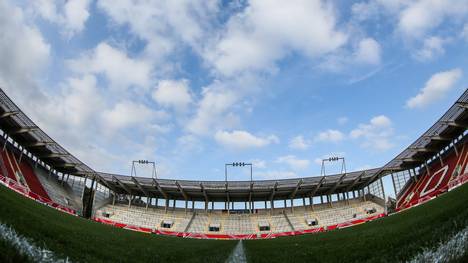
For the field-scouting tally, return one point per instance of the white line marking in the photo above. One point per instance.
(238, 255)
(445, 252)
(28, 248)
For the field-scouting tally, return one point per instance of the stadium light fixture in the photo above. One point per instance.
(143, 162)
(237, 164)
(334, 159)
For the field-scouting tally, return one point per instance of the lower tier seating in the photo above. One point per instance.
(279, 220)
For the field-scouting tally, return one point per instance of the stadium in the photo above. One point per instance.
(233, 131)
(33, 165)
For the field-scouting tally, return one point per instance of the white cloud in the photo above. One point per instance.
(342, 120)
(78, 91)
(376, 134)
(433, 47)
(368, 52)
(371, 9)
(73, 110)
(188, 144)
(266, 31)
(70, 15)
(76, 14)
(172, 93)
(242, 139)
(24, 53)
(121, 70)
(164, 24)
(330, 136)
(435, 88)
(419, 17)
(213, 107)
(257, 163)
(127, 113)
(299, 143)
(416, 21)
(295, 163)
(464, 33)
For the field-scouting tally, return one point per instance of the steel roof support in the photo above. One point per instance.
(140, 187)
(455, 124)
(312, 194)
(66, 165)
(337, 184)
(181, 190)
(205, 195)
(228, 201)
(39, 144)
(355, 181)
(293, 194)
(160, 189)
(436, 138)
(250, 196)
(424, 149)
(103, 182)
(8, 114)
(52, 155)
(121, 184)
(25, 130)
(273, 191)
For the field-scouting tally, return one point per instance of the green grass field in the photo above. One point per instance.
(86, 241)
(395, 238)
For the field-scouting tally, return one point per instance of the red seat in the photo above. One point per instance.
(32, 180)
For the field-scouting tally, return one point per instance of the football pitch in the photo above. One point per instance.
(396, 238)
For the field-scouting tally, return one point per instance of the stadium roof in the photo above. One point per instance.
(257, 190)
(29, 136)
(26, 133)
(451, 125)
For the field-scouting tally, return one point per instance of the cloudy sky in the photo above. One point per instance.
(193, 84)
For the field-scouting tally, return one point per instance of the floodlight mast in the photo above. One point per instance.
(333, 159)
(144, 162)
(237, 164)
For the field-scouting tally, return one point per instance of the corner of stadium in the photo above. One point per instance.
(55, 208)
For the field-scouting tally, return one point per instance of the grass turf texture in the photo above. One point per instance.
(393, 239)
(9, 254)
(86, 241)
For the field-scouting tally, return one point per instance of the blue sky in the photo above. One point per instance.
(193, 85)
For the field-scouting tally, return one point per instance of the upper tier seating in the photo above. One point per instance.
(23, 173)
(435, 181)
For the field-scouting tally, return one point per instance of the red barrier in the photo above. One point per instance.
(15, 186)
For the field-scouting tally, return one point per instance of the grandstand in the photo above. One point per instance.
(35, 165)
